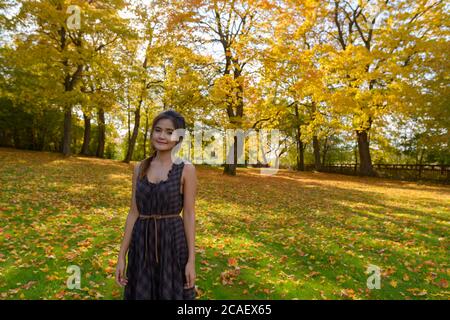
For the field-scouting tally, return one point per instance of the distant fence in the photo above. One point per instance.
(414, 172)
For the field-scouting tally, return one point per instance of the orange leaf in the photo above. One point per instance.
(232, 262)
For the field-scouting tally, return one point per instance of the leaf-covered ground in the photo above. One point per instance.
(289, 236)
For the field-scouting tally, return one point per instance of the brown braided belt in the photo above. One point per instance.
(154, 217)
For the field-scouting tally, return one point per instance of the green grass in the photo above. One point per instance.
(293, 235)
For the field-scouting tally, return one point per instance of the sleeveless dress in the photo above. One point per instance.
(156, 267)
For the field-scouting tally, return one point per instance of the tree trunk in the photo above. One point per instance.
(421, 152)
(61, 144)
(42, 137)
(145, 134)
(299, 143)
(133, 139)
(316, 147)
(325, 151)
(300, 148)
(230, 168)
(70, 81)
(74, 142)
(16, 138)
(230, 61)
(301, 158)
(67, 131)
(32, 135)
(365, 167)
(87, 135)
(101, 133)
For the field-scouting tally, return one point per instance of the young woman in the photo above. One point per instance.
(160, 242)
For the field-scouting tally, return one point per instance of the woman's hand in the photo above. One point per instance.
(120, 272)
(190, 274)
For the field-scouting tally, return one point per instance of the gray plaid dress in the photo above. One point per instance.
(149, 279)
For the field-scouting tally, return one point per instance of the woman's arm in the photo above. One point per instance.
(131, 219)
(189, 194)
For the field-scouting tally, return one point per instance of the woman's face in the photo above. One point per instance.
(162, 133)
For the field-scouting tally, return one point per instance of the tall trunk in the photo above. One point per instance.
(32, 135)
(301, 159)
(69, 85)
(87, 135)
(300, 155)
(299, 143)
(325, 150)
(67, 131)
(145, 134)
(365, 167)
(133, 139)
(42, 136)
(421, 153)
(232, 65)
(70, 80)
(101, 133)
(234, 151)
(230, 168)
(74, 141)
(128, 124)
(137, 116)
(300, 151)
(61, 144)
(16, 138)
(316, 147)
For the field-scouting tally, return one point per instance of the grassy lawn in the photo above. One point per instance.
(293, 235)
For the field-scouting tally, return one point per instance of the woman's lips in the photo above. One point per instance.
(161, 142)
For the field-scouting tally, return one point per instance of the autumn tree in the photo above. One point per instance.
(57, 39)
(292, 71)
(379, 60)
(230, 28)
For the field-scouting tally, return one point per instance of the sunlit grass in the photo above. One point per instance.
(293, 235)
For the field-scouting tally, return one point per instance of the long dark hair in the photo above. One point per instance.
(178, 122)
